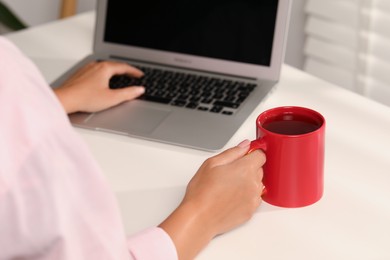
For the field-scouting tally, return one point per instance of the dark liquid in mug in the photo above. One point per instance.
(292, 126)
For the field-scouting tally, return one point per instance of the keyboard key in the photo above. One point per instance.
(216, 109)
(227, 113)
(179, 103)
(207, 100)
(156, 99)
(192, 105)
(203, 108)
(226, 104)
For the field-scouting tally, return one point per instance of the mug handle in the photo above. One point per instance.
(258, 144)
(255, 145)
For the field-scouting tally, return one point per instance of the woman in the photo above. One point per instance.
(54, 201)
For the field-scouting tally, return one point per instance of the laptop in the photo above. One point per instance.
(208, 65)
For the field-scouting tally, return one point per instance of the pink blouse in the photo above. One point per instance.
(54, 200)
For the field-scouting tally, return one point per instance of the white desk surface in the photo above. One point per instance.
(351, 221)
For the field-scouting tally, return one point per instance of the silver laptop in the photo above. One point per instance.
(208, 65)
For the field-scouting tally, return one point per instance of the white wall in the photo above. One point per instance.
(41, 11)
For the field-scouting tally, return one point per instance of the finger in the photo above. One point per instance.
(231, 154)
(126, 94)
(253, 164)
(118, 68)
(260, 180)
(258, 196)
(256, 157)
(263, 190)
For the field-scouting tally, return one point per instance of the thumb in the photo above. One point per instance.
(232, 154)
(128, 93)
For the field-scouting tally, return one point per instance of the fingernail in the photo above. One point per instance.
(140, 90)
(264, 191)
(244, 143)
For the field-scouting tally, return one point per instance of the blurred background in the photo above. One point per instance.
(345, 42)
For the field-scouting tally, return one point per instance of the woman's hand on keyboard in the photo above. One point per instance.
(88, 89)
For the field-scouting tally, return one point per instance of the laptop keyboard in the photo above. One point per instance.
(191, 91)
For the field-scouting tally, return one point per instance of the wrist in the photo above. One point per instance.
(189, 229)
(67, 101)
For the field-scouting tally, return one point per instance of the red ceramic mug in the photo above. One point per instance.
(293, 141)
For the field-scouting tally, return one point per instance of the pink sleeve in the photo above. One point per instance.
(153, 243)
(54, 200)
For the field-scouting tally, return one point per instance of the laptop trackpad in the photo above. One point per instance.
(131, 117)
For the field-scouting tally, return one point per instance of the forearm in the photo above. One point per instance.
(188, 228)
(67, 101)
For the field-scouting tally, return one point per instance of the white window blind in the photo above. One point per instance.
(348, 43)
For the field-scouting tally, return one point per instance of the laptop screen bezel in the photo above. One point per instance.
(271, 72)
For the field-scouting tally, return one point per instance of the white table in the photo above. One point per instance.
(351, 221)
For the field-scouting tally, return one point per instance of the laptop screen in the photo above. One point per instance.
(234, 30)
